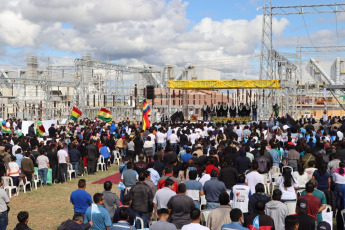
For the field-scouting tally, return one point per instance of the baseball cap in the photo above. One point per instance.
(302, 205)
(185, 146)
(323, 225)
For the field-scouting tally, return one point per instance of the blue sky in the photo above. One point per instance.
(73, 38)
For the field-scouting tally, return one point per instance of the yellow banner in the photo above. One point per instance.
(219, 84)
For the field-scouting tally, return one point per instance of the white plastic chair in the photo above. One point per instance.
(137, 218)
(117, 157)
(204, 216)
(291, 205)
(7, 184)
(23, 185)
(101, 162)
(202, 201)
(35, 179)
(70, 171)
(328, 207)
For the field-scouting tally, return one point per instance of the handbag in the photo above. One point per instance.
(327, 216)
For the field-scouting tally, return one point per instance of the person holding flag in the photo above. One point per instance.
(4, 128)
(98, 214)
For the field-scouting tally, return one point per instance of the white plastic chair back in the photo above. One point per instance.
(204, 216)
(141, 222)
(291, 205)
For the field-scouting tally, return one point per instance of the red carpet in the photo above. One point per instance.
(113, 178)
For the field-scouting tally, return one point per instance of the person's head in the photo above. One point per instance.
(127, 199)
(98, 198)
(214, 173)
(302, 206)
(260, 206)
(82, 184)
(309, 187)
(323, 225)
(163, 214)
(141, 157)
(168, 170)
(147, 174)
(78, 218)
(195, 215)
(193, 174)
(291, 222)
(287, 177)
(300, 169)
(181, 188)
(259, 188)
(277, 194)
(236, 215)
(255, 165)
(314, 182)
(141, 176)
(129, 165)
(241, 179)
(341, 168)
(108, 185)
(124, 214)
(23, 217)
(224, 198)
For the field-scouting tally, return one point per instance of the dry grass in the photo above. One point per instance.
(49, 206)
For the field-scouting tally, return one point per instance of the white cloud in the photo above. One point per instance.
(16, 31)
(135, 31)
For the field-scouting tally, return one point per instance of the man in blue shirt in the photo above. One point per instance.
(213, 188)
(80, 198)
(275, 155)
(98, 214)
(236, 218)
(194, 188)
(187, 155)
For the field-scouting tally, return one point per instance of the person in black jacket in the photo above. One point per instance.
(242, 162)
(92, 156)
(259, 195)
(53, 161)
(228, 174)
(265, 221)
(31, 131)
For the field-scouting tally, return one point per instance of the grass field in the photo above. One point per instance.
(49, 206)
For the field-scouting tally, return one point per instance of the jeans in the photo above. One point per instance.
(197, 204)
(62, 172)
(212, 205)
(144, 216)
(43, 174)
(75, 167)
(174, 146)
(3, 220)
(294, 166)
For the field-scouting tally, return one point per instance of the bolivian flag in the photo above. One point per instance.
(146, 112)
(40, 130)
(104, 115)
(5, 129)
(76, 113)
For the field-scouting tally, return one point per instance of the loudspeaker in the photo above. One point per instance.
(150, 92)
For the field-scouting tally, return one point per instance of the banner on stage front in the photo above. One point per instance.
(231, 119)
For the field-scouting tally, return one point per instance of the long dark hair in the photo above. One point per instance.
(341, 168)
(322, 169)
(300, 169)
(287, 177)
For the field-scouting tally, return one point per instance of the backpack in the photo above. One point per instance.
(65, 224)
(262, 162)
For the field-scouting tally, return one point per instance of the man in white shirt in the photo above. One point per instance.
(161, 138)
(240, 195)
(195, 225)
(63, 162)
(254, 177)
(173, 140)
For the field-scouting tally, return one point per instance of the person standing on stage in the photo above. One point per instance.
(205, 112)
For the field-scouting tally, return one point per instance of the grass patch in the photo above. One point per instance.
(49, 206)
